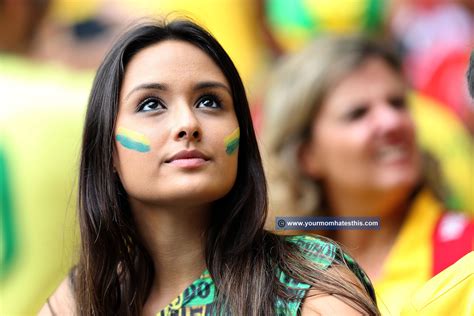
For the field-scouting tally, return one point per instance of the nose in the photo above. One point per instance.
(189, 134)
(187, 126)
(393, 122)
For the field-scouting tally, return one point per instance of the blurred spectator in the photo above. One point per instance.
(40, 127)
(30, 29)
(340, 141)
(286, 26)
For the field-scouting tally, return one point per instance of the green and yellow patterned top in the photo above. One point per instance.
(198, 298)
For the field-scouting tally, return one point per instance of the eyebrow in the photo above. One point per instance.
(147, 86)
(159, 86)
(212, 84)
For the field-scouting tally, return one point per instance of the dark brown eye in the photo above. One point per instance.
(209, 101)
(150, 104)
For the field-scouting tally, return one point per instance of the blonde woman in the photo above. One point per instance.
(339, 140)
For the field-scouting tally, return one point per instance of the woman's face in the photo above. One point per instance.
(363, 138)
(176, 131)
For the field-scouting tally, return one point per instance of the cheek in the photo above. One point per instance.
(132, 165)
(229, 170)
(133, 146)
(228, 154)
(341, 154)
(132, 150)
(344, 145)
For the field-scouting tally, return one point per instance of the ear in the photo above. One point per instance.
(308, 159)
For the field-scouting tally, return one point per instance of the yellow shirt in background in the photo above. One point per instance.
(410, 262)
(451, 292)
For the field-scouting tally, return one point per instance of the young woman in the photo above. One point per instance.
(341, 142)
(173, 196)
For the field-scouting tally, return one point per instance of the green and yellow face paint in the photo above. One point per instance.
(232, 141)
(132, 140)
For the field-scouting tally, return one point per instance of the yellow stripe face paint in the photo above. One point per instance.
(132, 140)
(232, 141)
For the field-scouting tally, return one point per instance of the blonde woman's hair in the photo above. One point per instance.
(296, 91)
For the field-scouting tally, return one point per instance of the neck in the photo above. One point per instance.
(174, 238)
(370, 247)
(361, 202)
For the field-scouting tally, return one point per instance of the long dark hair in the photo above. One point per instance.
(115, 272)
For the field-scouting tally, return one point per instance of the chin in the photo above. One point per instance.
(197, 194)
(400, 182)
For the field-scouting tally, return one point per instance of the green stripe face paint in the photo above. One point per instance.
(132, 140)
(232, 141)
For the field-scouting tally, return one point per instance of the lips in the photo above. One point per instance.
(188, 159)
(188, 154)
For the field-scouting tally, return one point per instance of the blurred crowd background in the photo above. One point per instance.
(49, 50)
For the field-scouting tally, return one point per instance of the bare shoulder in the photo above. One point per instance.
(320, 303)
(61, 302)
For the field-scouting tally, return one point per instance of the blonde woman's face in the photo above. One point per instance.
(176, 131)
(363, 139)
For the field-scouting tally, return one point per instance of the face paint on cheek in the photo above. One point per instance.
(232, 141)
(132, 140)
